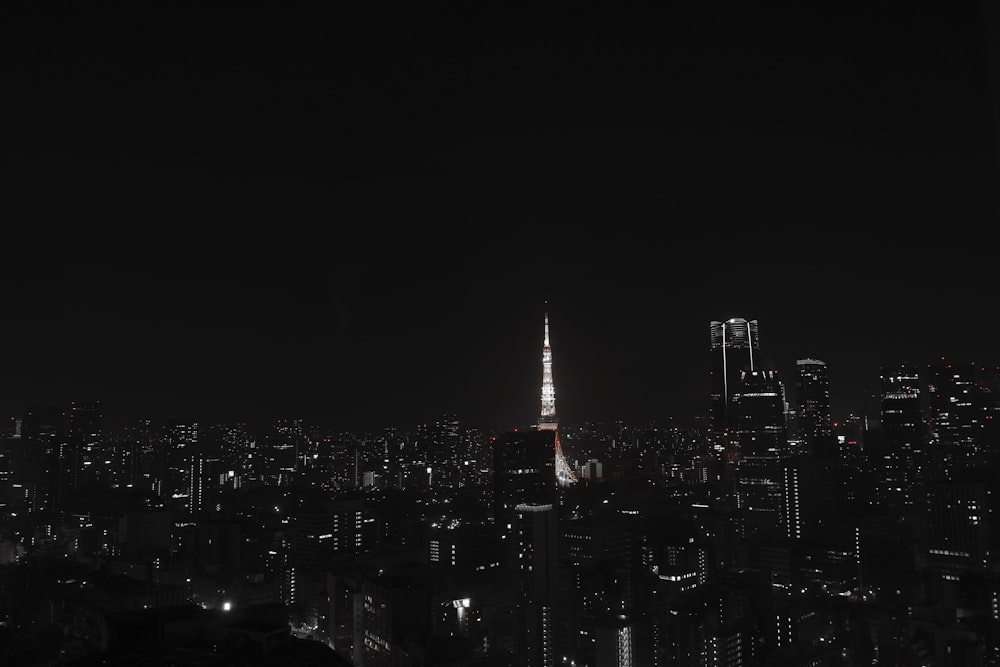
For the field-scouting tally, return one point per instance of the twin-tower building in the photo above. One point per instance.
(739, 380)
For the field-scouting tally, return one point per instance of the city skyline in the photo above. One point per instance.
(473, 335)
(293, 217)
(865, 404)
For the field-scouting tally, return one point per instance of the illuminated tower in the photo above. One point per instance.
(548, 419)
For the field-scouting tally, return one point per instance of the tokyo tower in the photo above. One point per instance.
(548, 419)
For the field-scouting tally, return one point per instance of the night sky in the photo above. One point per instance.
(359, 214)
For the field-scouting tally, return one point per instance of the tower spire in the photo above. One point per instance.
(548, 420)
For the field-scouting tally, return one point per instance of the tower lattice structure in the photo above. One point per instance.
(548, 420)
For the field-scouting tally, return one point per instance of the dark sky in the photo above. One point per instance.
(356, 214)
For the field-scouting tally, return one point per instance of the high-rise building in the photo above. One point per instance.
(957, 410)
(850, 436)
(182, 442)
(812, 385)
(601, 566)
(809, 475)
(735, 348)
(758, 423)
(322, 532)
(440, 449)
(902, 459)
(809, 496)
(344, 631)
(523, 472)
(959, 524)
(84, 436)
(548, 420)
(537, 578)
(392, 614)
(759, 414)
(713, 627)
(281, 451)
(48, 462)
(196, 477)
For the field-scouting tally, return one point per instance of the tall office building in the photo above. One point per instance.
(281, 452)
(809, 496)
(735, 348)
(603, 560)
(716, 628)
(902, 459)
(441, 449)
(812, 389)
(392, 616)
(48, 462)
(523, 472)
(957, 410)
(759, 414)
(758, 422)
(196, 478)
(323, 531)
(182, 443)
(808, 479)
(537, 579)
(960, 521)
(84, 436)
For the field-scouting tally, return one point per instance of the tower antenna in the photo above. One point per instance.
(548, 420)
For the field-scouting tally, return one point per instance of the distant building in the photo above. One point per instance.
(592, 471)
(960, 524)
(735, 348)
(49, 463)
(394, 610)
(957, 413)
(812, 385)
(758, 424)
(902, 458)
(85, 464)
(182, 444)
(322, 533)
(145, 533)
(524, 471)
(465, 547)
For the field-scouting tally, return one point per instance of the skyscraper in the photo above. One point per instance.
(523, 471)
(813, 397)
(960, 523)
(758, 421)
(182, 442)
(538, 550)
(84, 437)
(957, 411)
(548, 420)
(758, 418)
(43, 432)
(735, 347)
(902, 456)
(808, 482)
